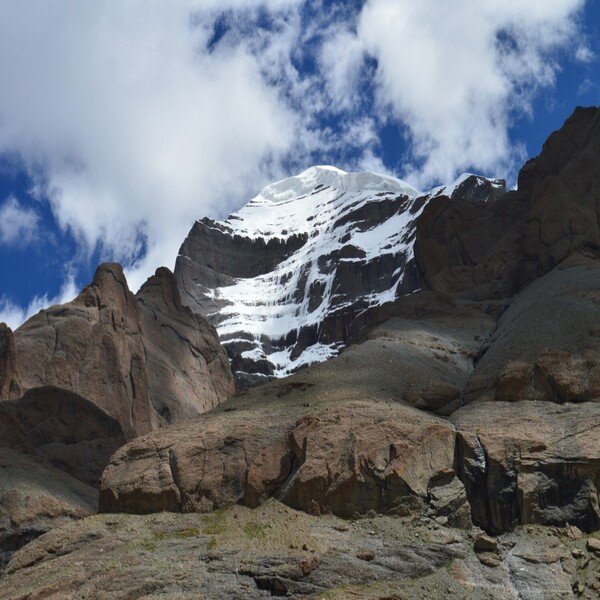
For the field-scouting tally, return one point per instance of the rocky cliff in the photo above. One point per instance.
(80, 379)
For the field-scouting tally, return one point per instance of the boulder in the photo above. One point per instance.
(530, 462)
(146, 361)
(448, 499)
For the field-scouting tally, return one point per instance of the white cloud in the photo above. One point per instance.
(454, 73)
(133, 125)
(18, 225)
(584, 53)
(14, 315)
(134, 128)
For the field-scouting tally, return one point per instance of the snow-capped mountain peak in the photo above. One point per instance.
(287, 277)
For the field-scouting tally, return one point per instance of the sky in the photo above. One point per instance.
(121, 123)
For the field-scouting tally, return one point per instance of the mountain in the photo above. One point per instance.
(299, 271)
(448, 448)
(80, 379)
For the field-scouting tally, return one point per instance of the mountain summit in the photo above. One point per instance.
(290, 278)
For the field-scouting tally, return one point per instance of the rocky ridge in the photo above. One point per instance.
(144, 359)
(78, 380)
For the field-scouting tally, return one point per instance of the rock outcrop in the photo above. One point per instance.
(54, 446)
(274, 551)
(530, 462)
(547, 343)
(316, 460)
(9, 380)
(66, 430)
(564, 195)
(491, 250)
(80, 379)
(145, 360)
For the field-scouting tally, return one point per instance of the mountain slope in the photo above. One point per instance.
(297, 272)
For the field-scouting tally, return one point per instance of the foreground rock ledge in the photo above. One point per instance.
(530, 462)
(341, 458)
(276, 551)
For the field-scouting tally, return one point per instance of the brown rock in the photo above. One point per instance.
(485, 543)
(448, 499)
(564, 197)
(9, 384)
(545, 347)
(485, 250)
(472, 249)
(344, 456)
(489, 559)
(146, 360)
(574, 532)
(530, 462)
(593, 544)
(68, 431)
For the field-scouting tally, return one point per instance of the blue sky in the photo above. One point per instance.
(122, 123)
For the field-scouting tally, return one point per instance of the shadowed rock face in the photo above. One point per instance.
(53, 447)
(146, 360)
(9, 381)
(68, 431)
(36, 497)
(530, 462)
(485, 251)
(564, 196)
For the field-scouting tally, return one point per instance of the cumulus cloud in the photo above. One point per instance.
(130, 124)
(18, 224)
(455, 73)
(14, 315)
(135, 118)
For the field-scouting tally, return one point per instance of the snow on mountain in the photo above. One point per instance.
(289, 277)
